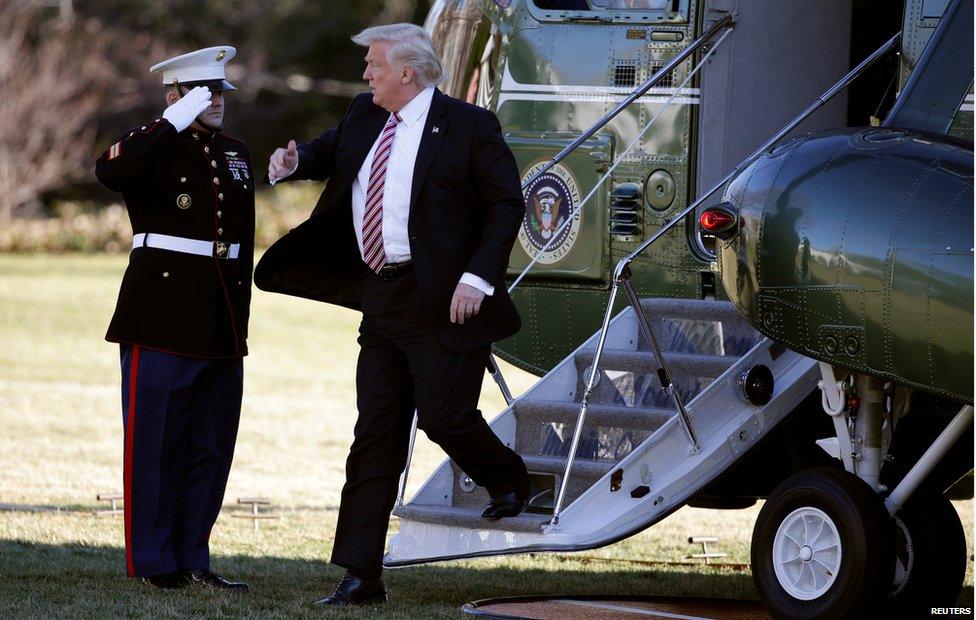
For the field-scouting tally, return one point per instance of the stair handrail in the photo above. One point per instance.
(493, 367)
(726, 22)
(622, 276)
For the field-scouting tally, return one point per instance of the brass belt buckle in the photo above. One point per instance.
(221, 249)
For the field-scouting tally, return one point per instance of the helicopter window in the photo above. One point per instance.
(933, 8)
(663, 7)
(632, 5)
(562, 5)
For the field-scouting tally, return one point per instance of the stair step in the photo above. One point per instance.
(644, 362)
(557, 465)
(470, 518)
(688, 325)
(619, 416)
(700, 309)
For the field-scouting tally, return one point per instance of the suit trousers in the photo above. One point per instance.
(180, 416)
(403, 367)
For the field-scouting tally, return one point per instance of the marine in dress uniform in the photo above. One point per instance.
(414, 228)
(181, 318)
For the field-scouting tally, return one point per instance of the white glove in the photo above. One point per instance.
(187, 108)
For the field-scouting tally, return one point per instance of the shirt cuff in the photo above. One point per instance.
(479, 283)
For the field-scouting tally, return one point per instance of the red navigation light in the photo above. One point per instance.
(715, 221)
(719, 221)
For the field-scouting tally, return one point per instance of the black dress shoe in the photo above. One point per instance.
(507, 505)
(211, 579)
(168, 581)
(355, 591)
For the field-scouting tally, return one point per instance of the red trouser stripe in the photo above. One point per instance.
(130, 433)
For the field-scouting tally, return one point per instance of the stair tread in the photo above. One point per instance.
(628, 359)
(469, 518)
(594, 410)
(690, 308)
(557, 465)
(616, 416)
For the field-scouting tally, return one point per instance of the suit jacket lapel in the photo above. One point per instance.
(430, 142)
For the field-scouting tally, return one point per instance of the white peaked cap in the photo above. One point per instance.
(206, 65)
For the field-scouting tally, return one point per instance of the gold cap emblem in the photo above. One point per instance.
(183, 201)
(220, 55)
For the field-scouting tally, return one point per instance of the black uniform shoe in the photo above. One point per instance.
(508, 505)
(169, 581)
(211, 579)
(355, 591)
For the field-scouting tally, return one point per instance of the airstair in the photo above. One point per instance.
(644, 414)
(635, 461)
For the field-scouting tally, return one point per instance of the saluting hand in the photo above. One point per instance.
(466, 303)
(283, 162)
(183, 111)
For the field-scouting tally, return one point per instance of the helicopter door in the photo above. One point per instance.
(577, 251)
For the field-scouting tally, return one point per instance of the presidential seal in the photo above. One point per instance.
(549, 200)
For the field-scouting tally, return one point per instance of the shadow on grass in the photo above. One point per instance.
(88, 581)
(44, 580)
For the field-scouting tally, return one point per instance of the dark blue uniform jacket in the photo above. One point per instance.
(196, 185)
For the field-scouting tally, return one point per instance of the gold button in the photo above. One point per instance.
(213, 163)
(206, 149)
(165, 274)
(143, 127)
(245, 186)
(196, 136)
(220, 196)
(220, 214)
(216, 181)
(182, 179)
(220, 231)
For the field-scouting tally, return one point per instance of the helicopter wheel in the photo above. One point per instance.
(822, 547)
(930, 549)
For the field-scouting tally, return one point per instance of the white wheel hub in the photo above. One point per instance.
(806, 553)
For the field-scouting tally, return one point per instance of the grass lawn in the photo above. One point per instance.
(61, 444)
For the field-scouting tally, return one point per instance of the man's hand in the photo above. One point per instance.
(466, 303)
(187, 108)
(283, 162)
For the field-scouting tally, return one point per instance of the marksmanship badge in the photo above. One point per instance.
(548, 202)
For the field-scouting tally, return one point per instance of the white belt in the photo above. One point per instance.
(218, 249)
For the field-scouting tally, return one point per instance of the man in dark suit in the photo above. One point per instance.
(414, 228)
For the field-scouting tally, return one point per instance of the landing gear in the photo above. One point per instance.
(822, 547)
(930, 556)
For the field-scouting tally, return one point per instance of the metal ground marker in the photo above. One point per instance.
(705, 555)
(115, 497)
(255, 515)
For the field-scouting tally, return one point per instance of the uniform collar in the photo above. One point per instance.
(416, 107)
(198, 135)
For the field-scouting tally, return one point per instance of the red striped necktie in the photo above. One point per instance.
(373, 252)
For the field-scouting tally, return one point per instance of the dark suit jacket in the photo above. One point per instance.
(466, 207)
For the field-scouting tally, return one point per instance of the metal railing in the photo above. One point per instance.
(622, 276)
(727, 22)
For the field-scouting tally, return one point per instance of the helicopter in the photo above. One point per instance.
(689, 343)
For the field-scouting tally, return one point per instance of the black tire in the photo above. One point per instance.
(931, 546)
(864, 572)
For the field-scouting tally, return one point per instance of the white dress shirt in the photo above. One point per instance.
(398, 186)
